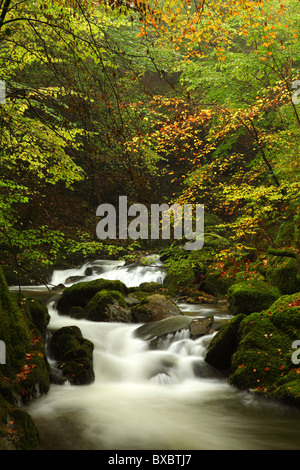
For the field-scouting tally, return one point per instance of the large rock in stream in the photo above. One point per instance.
(153, 331)
(111, 301)
(79, 295)
(154, 307)
(74, 356)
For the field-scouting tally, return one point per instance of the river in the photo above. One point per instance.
(134, 404)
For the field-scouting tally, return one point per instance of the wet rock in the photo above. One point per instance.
(224, 344)
(88, 271)
(205, 371)
(59, 287)
(201, 326)
(155, 307)
(72, 279)
(152, 330)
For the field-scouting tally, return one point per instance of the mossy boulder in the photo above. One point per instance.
(150, 286)
(25, 373)
(17, 429)
(79, 295)
(108, 305)
(39, 314)
(285, 278)
(74, 355)
(261, 350)
(251, 296)
(179, 276)
(104, 306)
(217, 282)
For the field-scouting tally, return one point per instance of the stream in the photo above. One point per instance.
(134, 404)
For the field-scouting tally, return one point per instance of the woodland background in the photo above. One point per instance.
(162, 101)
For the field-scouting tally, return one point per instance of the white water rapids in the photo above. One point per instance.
(134, 404)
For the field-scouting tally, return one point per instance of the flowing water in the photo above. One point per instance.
(151, 399)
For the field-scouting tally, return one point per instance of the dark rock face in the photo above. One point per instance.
(224, 344)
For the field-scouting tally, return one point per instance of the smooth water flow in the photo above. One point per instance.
(166, 398)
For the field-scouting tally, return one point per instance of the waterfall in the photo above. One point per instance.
(132, 275)
(144, 398)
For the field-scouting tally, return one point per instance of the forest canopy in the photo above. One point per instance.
(170, 101)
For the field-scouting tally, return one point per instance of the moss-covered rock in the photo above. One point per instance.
(150, 286)
(251, 296)
(285, 278)
(217, 281)
(179, 277)
(39, 314)
(26, 371)
(261, 355)
(108, 305)
(74, 355)
(79, 295)
(17, 429)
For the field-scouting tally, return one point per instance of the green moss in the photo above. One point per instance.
(150, 286)
(285, 315)
(262, 344)
(26, 372)
(217, 283)
(282, 273)
(25, 433)
(260, 356)
(251, 296)
(287, 389)
(81, 293)
(74, 355)
(38, 313)
(98, 307)
(77, 312)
